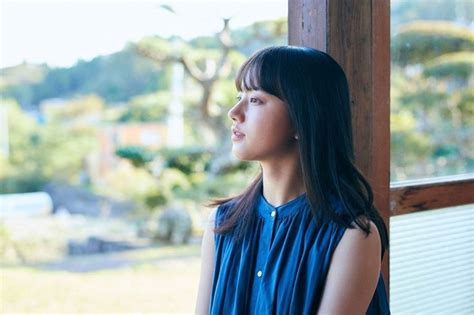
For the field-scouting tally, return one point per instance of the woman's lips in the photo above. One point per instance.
(237, 134)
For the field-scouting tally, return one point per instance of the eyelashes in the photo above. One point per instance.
(254, 100)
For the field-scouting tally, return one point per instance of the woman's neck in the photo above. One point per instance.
(282, 181)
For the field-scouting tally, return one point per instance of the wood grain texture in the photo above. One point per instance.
(305, 23)
(430, 194)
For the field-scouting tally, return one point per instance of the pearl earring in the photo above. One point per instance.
(296, 137)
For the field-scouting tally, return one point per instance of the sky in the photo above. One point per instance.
(60, 33)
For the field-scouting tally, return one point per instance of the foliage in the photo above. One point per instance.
(431, 96)
(22, 74)
(188, 160)
(137, 155)
(406, 11)
(137, 184)
(85, 107)
(458, 64)
(115, 78)
(183, 173)
(147, 108)
(419, 41)
(39, 153)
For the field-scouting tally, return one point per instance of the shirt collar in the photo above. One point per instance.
(265, 208)
(291, 207)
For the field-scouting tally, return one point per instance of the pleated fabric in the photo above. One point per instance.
(281, 265)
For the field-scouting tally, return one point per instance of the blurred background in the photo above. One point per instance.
(114, 134)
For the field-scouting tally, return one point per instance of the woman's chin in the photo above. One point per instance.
(240, 154)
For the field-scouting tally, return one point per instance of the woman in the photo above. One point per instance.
(304, 237)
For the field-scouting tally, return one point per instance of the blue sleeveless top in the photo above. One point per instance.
(281, 265)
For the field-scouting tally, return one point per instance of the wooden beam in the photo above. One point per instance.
(302, 27)
(428, 194)
(357, 34)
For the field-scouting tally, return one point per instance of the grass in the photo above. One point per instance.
(160, 280)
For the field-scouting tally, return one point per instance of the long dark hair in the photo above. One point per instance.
(315, 90)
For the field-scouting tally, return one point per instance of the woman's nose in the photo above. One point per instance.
(230, 113)
(234, 113)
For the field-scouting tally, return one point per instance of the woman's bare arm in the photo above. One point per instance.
(207, 266)
(353, 273)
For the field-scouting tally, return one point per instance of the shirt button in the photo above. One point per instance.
(259, 273)
(273, 213)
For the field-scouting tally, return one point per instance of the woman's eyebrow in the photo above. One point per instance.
(260, 93)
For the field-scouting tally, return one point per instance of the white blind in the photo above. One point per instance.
(432, 262)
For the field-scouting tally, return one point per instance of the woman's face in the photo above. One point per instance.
(261, 128)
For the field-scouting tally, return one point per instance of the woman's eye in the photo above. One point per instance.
(238, 98)
(255, 100)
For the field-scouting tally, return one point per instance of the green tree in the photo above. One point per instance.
(432, 99)
(115, 78)
(151, 107)
(40, 153)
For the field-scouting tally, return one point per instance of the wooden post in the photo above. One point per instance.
(357, 34)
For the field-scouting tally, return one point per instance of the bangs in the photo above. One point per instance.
(248, 76)
(256, 74)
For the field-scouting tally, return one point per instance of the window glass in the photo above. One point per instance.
(432, 95)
